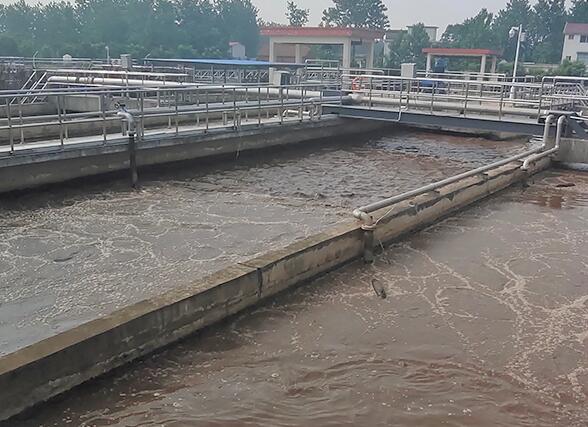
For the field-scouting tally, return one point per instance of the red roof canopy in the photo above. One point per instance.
(443, 51)
(573, 28)
(322, 32)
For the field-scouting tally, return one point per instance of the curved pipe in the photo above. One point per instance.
(541, 155)
(128, 117)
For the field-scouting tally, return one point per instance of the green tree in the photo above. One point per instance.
(579, 11)
(165, 28)
(547, 30)
(569, 68)
(297, 17)
(408, 47)
(517, 12)
(8, 46)
(357, 13)
(476, 32)
(56, 28)
(238, 22)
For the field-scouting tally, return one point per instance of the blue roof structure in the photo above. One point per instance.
(225, 62)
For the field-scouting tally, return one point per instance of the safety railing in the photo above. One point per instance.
(172, 110)
(461, 97)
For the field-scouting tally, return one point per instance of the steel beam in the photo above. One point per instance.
(440, 121)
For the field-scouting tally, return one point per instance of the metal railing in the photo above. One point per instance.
(461, 97)
(194, 108)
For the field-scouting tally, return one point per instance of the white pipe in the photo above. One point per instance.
(116, 82)
(128, 117)
(363, 212)
(541, 155)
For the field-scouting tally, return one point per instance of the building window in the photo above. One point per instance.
(571, 37)
(583, 57)
(569, 58)
(584, 39)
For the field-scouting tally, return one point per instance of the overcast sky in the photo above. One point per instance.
(401, 12)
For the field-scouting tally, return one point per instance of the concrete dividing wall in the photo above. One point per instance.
(41, 168)
(55, 365)
(35, 109)
(573, 152)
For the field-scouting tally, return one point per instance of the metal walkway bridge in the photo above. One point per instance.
(493, 106)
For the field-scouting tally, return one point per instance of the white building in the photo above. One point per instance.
(429, 29)
(237, 50)
(575, 43)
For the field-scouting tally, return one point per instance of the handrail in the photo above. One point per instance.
(171, 105)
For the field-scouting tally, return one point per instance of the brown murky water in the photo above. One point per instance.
(485, 324)
(69, 255)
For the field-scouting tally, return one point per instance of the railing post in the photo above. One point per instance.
(207, 108)
(133, 158)
(465, 106)
(301, 104)
(60, 120)
(103, 111)
(501, 106)
(9, 119)
(142, 115)
(259, 106)
(20, 120)
(540, 99)
(281, 105)
(371, 90)
(176, 118)
(235, 108)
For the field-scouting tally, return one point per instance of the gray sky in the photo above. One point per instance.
(401, 12)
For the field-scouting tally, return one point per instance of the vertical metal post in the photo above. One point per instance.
(259, 106)
(142, 115)
(207, 119)
(267, 98)
(302, 104)
(20, 120)
(133, 159)
(465, 105)
(103, 111)
(281, 105)
(60, 120)
(9, 118)
(235, 125)
(540, 99)
(176, 111)
(501, 106)
(371, 90)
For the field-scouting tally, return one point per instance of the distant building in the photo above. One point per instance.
(349, 40)
(237, 50)
(575, 43)
(430, 30)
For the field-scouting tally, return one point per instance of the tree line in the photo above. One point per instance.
(161, 28)
(203, 28)
(543, 24)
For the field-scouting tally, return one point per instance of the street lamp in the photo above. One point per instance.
(513, 33)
